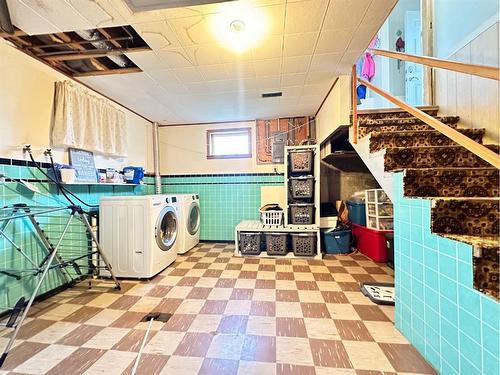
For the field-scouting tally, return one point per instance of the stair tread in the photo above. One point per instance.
(429, 132)
(469, 199)
(378, 122)
(476, 241)
(495, 148)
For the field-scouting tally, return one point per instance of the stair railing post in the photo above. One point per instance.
(354, 105)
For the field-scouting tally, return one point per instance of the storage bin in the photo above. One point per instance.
(371, 242)
(357, 212)
(337, 241)
(271, 217)
(301, 161)
(249, 243)
(276, 243)
(302, 213)
(304, 244)
(302, 187)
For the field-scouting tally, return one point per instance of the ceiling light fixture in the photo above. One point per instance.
(239, 26)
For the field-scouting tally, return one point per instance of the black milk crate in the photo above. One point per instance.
(249, 243)
(301, 161)
(302, 187)
(276, 243)
(301, 213)
(304, 244)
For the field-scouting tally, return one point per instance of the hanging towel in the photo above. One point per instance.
(368, 66)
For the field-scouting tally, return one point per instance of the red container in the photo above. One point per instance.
(371, 242)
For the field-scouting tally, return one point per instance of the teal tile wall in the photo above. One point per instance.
(20, 231)
(225, 200)
(456, 328)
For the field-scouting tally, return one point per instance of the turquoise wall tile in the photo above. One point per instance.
(458, 331)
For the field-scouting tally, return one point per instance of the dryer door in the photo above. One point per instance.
(166, 228)
(193, 219)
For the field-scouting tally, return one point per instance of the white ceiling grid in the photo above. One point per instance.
(189, 77)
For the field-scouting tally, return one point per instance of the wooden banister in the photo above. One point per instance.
(354, 105)
(478, 149)
(491, 72)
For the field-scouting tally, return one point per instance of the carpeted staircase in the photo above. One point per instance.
(463, 187)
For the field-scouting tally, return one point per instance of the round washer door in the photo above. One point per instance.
(193, 221)
(166, 228)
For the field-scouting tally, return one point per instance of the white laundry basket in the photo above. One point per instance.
(271, 217)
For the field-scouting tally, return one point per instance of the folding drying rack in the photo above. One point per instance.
(64, 238)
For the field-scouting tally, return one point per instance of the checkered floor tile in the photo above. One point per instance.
(230, 315)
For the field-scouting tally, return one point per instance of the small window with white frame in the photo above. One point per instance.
(229, 143)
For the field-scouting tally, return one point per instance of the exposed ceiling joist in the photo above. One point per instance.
(108, 72)
(58, 56)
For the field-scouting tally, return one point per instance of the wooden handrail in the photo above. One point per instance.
(478, 149)
(491, 72)
(354, 105)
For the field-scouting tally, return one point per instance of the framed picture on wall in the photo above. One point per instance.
(84, 165)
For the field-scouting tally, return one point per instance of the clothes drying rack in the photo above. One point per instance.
(64, 242)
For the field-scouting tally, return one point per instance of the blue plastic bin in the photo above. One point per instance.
(337, 242)
(357, 212)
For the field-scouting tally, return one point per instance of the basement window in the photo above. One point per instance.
(229, 143)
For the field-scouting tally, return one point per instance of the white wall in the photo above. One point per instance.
(476, 100)
(458, 22)
(183, 150)
(26, 98)
(335, 110)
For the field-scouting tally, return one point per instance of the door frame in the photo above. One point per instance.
(427, 22)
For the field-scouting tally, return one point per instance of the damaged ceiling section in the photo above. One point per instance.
(83, 53)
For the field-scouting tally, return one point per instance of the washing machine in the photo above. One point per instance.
(189, 206)
(139, 234)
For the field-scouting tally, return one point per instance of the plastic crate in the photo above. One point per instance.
(304, 244)
(249, 243)
(301, 161)
(337, 241)
(276, 243)
(302, 187)
(357, 212)
(302, 213)
(272, 217)
(371, 242)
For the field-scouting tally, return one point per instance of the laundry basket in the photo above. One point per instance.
(304, 244)
(272, 217)
(302, 213)
(302, 187)
(301, 161)
(249, 243)
(276, 243)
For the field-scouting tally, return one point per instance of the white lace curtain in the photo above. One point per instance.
(83, 120)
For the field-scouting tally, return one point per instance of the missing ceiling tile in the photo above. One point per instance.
(83, 53)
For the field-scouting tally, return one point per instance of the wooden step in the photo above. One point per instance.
(410, 138)
(368, 121)
(394, 112)
(399, 158)
(452, 182)
(467, 216)
(399, 124)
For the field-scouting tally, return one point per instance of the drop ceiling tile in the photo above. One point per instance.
(175, 58)
(317, 89)
(130, 17)
(147, 60)
(345, 14)
(305, 16)
(299, 44)
(294, 79)
(270, 48)
(378, 12)
(188, 75)
(164, 77)
(99, 13)
(297, 64)
(60, 14)
(158, 34)
(28, 20)
(267, 67)
(194, 30)
(242, 69)
(206, 54)
(334, 40)
(291, 91)
(213, 72)
(348, 60)
(362, 37)
(173, 89)
(275, 16)
(311, 100)
(314, 78)
(326, 62)
(197, 87)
